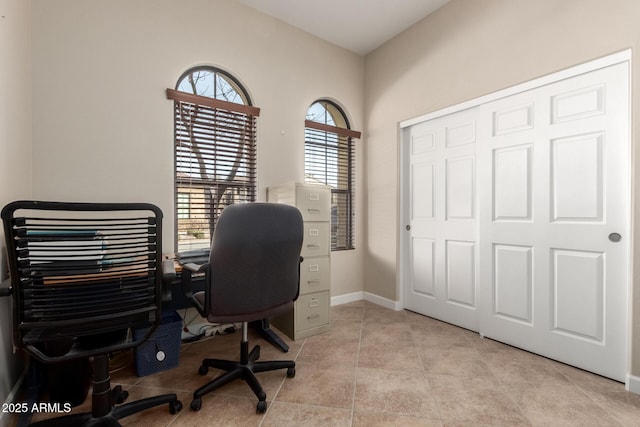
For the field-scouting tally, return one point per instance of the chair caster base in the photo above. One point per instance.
(261, 408)
(196, 404)
(291, 372)
(175, 407)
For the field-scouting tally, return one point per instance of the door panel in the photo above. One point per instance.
(577, 178)
(512, 287)
(512, 190)
(578, 273)
(461, 273)
(559, 284)
(443, 215)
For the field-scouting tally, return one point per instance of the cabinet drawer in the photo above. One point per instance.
(316, 239)
(312, 310)
(314, 203)
(315, 275)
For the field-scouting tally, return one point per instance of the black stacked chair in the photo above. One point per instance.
(253, 273)
(83, 277)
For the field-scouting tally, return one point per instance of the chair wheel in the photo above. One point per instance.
(262, 407)
(121, 396)
(196, 404)
(291, 372)
(175, 407)
(203, 370)
(118, 395)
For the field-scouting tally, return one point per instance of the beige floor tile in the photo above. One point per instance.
(319, 384)
(327, 350)
(511, 366)
(460, 361)
(366, 419)
(398, 357)
(352, 312)
(475, 400)
(380, 315)
(397, 392)
(282, 414)
(387, 334)
(343, 329)
(378, 367)
(558, 404)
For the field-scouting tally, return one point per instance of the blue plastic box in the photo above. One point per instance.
(162, 350)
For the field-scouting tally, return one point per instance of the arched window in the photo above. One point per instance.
(215, 152)
(329, 158)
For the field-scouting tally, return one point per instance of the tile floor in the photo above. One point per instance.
(377, 367)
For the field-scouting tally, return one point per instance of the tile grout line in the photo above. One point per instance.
(355, 379)
(424, 369)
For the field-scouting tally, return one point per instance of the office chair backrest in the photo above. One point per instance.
(254, 260)
(82, 274)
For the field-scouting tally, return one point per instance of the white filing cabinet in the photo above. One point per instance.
(310, 314)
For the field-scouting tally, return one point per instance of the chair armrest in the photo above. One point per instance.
(5, 288)
(188, 270)
(168, 276)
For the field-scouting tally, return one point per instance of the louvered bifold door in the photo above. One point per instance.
(83, 269)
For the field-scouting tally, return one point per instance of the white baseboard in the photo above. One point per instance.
(632, 384)
(347, 298)
(382, 301)
(366, 296)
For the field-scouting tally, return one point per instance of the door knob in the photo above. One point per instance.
(615, 237)
(407, 227)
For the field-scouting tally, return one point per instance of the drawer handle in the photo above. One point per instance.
(315, 245)
(313, 211)
(313, 282)
(313, 316)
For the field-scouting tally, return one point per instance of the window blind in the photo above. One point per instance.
(330, 160)
(215, 163)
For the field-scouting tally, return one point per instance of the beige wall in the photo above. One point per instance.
(15, 152)
(467, 49)
(103, 128)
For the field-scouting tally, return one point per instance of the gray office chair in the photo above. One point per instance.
(253, 273)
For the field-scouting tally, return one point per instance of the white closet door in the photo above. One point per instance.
(518, 212)
(443, 220)
(554, 222)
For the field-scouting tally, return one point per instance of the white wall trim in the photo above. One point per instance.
(587, 67)
(347, 298)
(367, 296)
(382, 301)
(632, 384)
